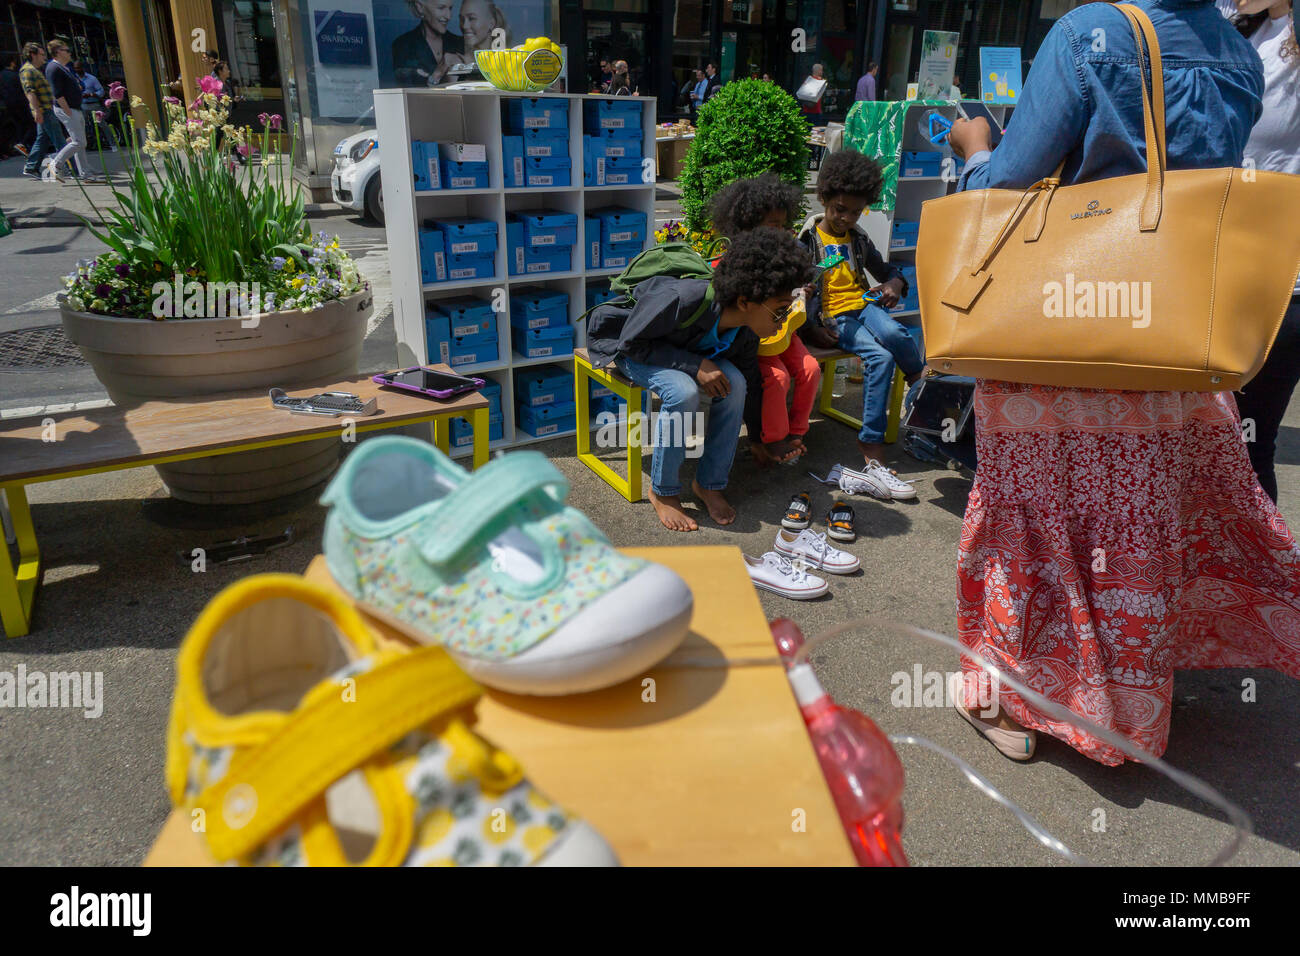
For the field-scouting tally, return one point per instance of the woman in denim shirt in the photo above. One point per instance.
(1112, 537)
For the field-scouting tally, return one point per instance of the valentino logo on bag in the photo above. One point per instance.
(1094, 209)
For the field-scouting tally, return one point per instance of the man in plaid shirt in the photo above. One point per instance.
(49, 136)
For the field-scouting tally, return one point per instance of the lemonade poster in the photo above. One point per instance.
(1000, 78)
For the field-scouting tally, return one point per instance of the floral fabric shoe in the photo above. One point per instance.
(296, 739)
(526, 594)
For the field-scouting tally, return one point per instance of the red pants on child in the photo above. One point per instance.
(794, 364)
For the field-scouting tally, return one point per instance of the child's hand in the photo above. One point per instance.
(889, 292)
(713, 380)
(824, 338)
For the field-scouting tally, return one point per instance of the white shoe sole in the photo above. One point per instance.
(791, 526)
(808, 560)
(849, 537)
(654, 601)
(792, 595)
(580, 845)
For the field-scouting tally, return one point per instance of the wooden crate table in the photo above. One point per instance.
(717, 770)
(163, 431)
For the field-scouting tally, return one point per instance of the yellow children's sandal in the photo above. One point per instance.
(298, 739)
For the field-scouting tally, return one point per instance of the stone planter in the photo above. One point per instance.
(138, 360)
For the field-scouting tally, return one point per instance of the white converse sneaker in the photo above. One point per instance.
(774, 573)
(875, 480)
(813, 550)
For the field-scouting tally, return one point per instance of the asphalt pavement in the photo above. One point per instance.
(117, 598)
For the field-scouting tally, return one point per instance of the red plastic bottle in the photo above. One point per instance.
(861, 768)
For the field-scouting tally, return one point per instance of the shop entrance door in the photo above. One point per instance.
(620, 36)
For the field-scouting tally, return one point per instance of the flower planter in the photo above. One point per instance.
(138, 360)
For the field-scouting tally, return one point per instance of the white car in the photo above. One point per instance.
(354, 181)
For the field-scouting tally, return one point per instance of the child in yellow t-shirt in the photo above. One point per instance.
(782, 358)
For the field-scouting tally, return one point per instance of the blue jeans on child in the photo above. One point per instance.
(680, 399)
(879, 339)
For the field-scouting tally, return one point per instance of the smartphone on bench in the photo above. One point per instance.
(429, 382)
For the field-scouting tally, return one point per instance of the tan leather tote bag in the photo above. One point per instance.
(1169, 280)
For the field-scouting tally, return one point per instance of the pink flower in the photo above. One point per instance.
(116, 92)
(276, 119)
(263, 118)
(171, 99)
(210, 84)
(99, 116)
(243, 150)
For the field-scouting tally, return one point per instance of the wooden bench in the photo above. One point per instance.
(48, 448)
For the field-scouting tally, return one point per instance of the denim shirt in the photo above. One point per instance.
(1082, 101)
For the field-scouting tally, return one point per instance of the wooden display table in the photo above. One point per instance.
(715, 771)
(167, 430)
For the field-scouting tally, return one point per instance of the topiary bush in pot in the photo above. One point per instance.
(747, 128)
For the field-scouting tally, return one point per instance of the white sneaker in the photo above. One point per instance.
(774, 573)
(812, 549)
(875, 480)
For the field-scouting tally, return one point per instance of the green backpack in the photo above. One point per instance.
(678, 260)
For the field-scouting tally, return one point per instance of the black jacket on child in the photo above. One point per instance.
(656, 330)
(867, 262)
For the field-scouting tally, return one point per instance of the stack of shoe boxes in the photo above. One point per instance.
(540, 241)
(462, 331)
(622, 235)
(458, 249)
(539, 323)
(462, 433)
(612, 143)
(912, 301)
(449, 165)
(535, 145)
(544, 401)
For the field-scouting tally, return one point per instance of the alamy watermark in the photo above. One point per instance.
(669, 430)
(975, 690)
(1086, 299)
(191, 299)
(83, 690)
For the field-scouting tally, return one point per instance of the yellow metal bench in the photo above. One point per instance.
(633, 395)
(40, 449)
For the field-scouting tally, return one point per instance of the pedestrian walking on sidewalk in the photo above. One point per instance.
(40, 101)
(66, 90)
(15, 103)
(1114, 537)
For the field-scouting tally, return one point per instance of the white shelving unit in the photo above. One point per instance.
(404, 115)
(914, 190)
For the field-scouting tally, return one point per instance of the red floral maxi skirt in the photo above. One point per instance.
(1112, 538)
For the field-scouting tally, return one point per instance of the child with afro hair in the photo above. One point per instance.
(783, 360)
(838, 315)
(692, 350)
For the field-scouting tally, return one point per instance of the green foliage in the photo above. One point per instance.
(747, 128)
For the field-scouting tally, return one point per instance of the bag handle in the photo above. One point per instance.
(1153, 113)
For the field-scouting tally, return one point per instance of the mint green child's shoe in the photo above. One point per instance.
(524, 592)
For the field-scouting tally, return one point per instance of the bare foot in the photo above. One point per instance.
(800, 447)
(761, 455)
(719, 510)
(671, 514)
(782, 451)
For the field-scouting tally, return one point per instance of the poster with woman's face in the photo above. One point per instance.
(432, 42)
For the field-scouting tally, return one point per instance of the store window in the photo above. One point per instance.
(247, 41)
(692, 39)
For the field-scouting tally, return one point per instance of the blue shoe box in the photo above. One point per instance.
(593, 170)
(619, 114)
(532, 143)
(539, 308)
(529, 112)
(598, 294)
(462, 432)
(904, 233)
(466, 235)
(597, 391)
(543, 386)
(547, 227)
(617, 255)
(424, 159)
(463, 175)
(604, 405)
(543, 343)
(526, 261)
(461, 268)
(615, 144)
(467, 315)
(916, 164)
(547, 171)
(619, 224)
(624, 172)
(548, 419)
(437, 333)
(433, 256)
(473, 354)
(591, 237)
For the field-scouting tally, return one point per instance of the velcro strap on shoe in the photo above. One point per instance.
(493, 490)
(337, 728)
